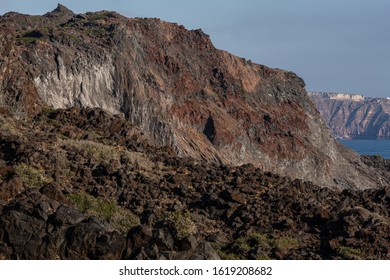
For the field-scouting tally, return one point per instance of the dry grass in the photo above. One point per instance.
(7, 127)
(120, 218)
(105, 153)
(31, 176)
(350, 253)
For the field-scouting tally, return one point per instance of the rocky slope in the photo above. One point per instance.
(85, 184)
(354, 116)
(177, 88)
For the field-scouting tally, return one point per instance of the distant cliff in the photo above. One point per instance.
(354, 116)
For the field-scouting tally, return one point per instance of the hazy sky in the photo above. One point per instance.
(334, 45)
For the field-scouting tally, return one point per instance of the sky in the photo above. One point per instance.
(334, 45)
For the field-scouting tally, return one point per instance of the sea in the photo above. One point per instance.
(369, 147)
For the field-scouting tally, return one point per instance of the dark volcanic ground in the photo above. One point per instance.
(87, 185)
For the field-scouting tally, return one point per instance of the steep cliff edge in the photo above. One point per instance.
(353, 116)
(176, 87)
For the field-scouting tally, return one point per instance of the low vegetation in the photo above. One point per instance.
(7, 127)
(119, 217)
(256, 246)
(350, 253)
(181, 223)
(105, 153)
(32, 176)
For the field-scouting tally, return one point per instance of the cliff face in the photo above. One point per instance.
(177, 88)
(353, 116)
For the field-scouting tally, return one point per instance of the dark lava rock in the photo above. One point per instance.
(90, 240)
(102, 198)
(203, 251)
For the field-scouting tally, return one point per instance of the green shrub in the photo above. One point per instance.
(31, 37)
(243, 91)
(181, 223)
(247, 246)
(74, 38)
(286, 242)
(222, 253)
(253, 240)
(349, 253)
(27, 40)
(101, 15)
(123, 220)
(120, 218)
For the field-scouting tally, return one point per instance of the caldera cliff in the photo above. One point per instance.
(353, 116)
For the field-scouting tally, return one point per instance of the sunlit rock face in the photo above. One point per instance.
(90, 84)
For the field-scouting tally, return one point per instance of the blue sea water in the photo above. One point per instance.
(369, 147)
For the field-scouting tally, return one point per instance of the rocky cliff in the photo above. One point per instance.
(353, 116)
(176, 87)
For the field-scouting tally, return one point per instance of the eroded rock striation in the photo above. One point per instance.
(352, 116)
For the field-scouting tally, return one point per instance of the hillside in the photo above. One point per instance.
(354, 116)
(84, 184)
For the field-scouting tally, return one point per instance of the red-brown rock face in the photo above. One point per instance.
(174, 85)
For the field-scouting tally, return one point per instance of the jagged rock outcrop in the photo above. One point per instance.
(176, 87)
(352, 116)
